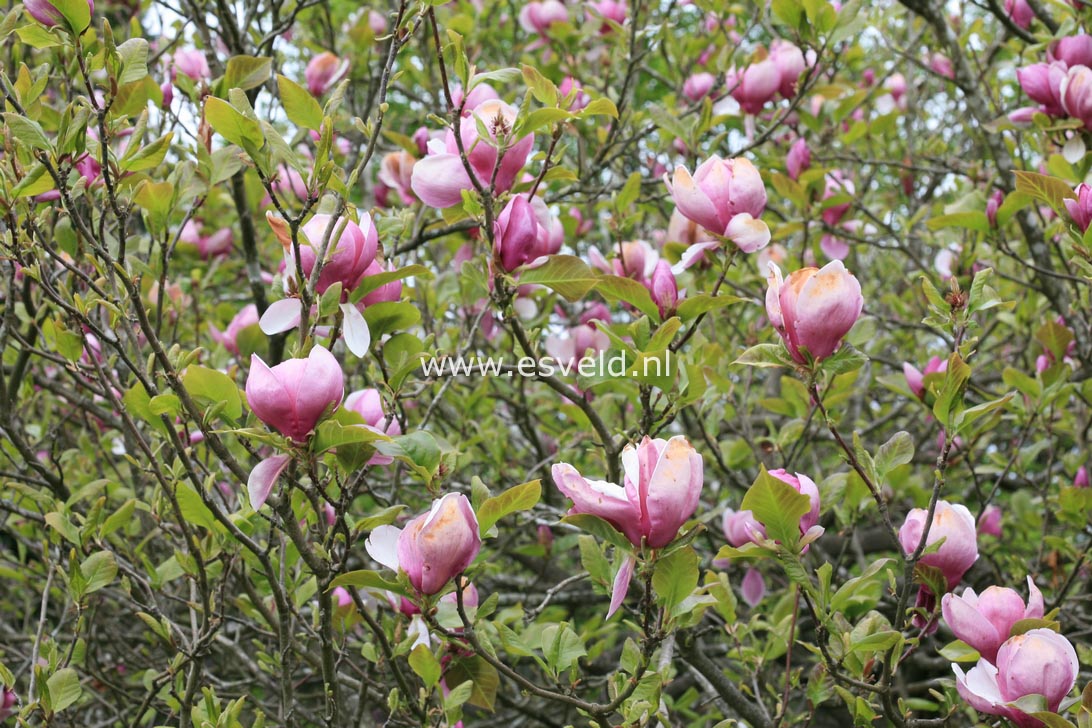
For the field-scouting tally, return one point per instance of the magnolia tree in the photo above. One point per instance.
(593, 363)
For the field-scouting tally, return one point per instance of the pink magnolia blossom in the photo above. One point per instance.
(941, 65)
(1039, 662)
(664, 289)
(756, 85)
(1019, 12)
(228, 338)
(207, 246)
(699, 85)
(1074, 50)
(993, 205)
(1076, 94)
(570, 85)
(294, 395)
(386, 293)
(798, 159)
(612, 10)
(989, 523)
(8, 700)
(396, 171)
(790, 63)
(916, 379)
(814, 309)
(516, 234)
(952, 523)
(323, 71)
(635, 259)
(1042, 82)
(741, 527)
(660, 491)
(984, 621)
(539, 15)
(190, 63)
(1080, 480)
(434, 547)
(725, 197)
(368, 403)
(1080, 209)
(439, 179)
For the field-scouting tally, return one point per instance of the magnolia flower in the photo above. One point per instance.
(1080, 209)
(434, 547)
(207, 246)
(228, 338)
(439, 179)
(1076, 94)
(952, 523)
(190, 63)
(814, 309)
(323, 71)
(350, 252)
(915, 379)
(1039, 662)
(984, 621)
(660, 491)
(725, 197)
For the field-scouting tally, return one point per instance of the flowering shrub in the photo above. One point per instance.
(799, 296)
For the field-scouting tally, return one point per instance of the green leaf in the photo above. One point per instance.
(64, 686)
(238, 129)
(388, 316)
(366, 579)
(193, 508)
(765, 355)
(950, 397)
(483, 676)
(959, 651)
(693, 306)
(596, 526)
(26, 132)
(567, 275)
(601, 106)
(899, 450)
(99, 569)
(1055, 337)
(540, 118)
(561, 646)
(542, 88)
(421, 449)
(619, 288)
(209, 387)
(970, 220)
(247, 72)
(521, 497)
(134, 61)
(778, 506)
(299, 105)
(138, 158)
(76, 12)
(877, 641)
(1050, 190)
(1026, 625)
(676, 577)
(425, 664)
(373, 282)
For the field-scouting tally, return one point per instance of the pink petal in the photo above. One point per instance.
(263, 477)
(694, 254)
(692, 201)
(621, 584)
(281, 316)
(753, 587)
(439, 179)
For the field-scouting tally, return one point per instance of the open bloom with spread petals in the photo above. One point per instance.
(323, 71)
(662, 484)
(228, 338)
(660, 491)
(952, 523)
(434, 547)
(439, 179)
(49, 15)
(294, 395)
(1039, 662)
(349, 254)
(814, 309)
(726, 197)
(984, 621)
